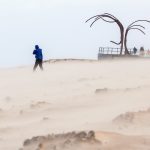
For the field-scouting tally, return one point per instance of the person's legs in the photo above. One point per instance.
(41, 64)
(35, 65)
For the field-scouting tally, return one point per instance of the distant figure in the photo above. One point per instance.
(142, 51)
(148, 52)
(39, 58)
(99, 55)
(134, 50)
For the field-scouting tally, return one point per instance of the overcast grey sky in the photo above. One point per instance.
(58, 27)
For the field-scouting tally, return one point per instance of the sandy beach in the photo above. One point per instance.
(110, 97)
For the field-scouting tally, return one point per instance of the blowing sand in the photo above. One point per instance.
(110, 97)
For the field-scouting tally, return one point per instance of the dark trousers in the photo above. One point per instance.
(38, 62)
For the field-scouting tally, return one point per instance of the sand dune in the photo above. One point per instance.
(112, 141)
(138, 122)
(110, 97)
(73, 140)
(87, 141)
(140, 117)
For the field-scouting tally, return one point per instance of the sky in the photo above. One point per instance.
(59, 28)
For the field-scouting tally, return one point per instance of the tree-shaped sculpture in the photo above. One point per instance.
(133, 26)
(113, 19)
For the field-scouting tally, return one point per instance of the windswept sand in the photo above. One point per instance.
(110, 97)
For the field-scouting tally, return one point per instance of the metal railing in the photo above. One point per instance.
(113, 51)
(105, 52)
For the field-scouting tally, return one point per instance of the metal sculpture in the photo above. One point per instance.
(133, 26)
(113, 20)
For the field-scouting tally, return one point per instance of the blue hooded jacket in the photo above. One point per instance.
(38, 53)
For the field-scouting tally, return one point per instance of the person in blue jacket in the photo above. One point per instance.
(39, 58)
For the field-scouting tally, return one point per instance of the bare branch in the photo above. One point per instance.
(138, 21)
(108, 20)
(111, 16)
(102, 19)
(99, 17)
(116, 42)
(91, 18)
(137, 26)
(95, 21)
(137, 29)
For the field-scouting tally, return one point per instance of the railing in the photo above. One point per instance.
(113, 51)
